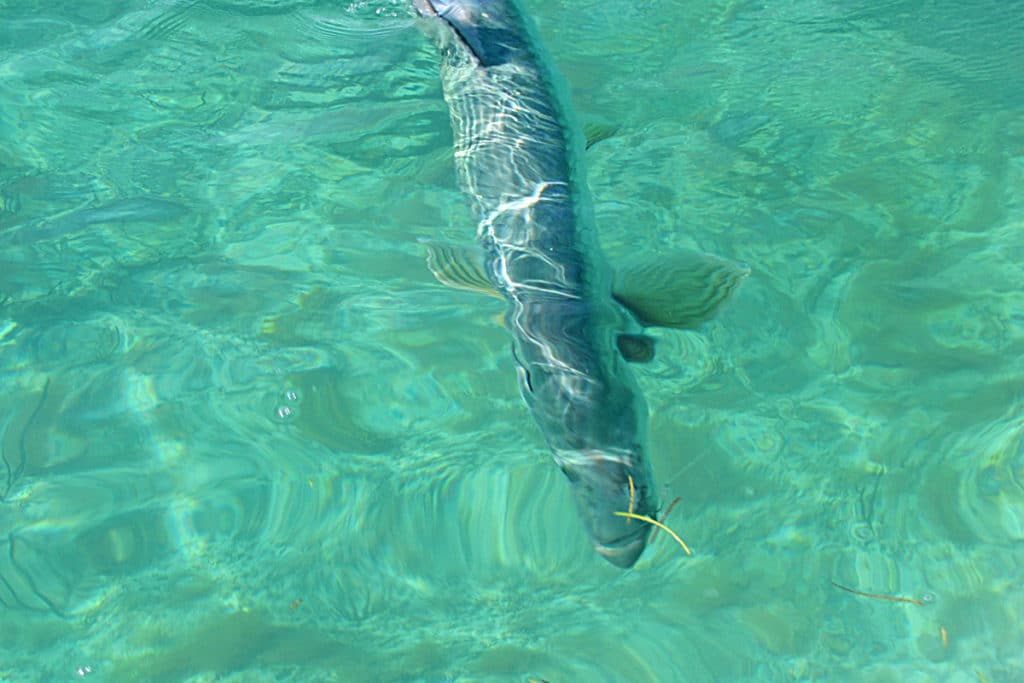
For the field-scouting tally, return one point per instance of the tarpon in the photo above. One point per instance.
(574, 323)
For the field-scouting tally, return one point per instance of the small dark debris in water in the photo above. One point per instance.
(876, 596)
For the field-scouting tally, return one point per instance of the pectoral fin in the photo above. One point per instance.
(636, 348)
(680, 289)
(459, 267)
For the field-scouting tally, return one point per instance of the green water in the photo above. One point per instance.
(247, 437)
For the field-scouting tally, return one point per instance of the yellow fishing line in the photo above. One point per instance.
(663, 518)
(645, 518)
(632, 497)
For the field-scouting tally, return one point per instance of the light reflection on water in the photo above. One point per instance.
(245, 434)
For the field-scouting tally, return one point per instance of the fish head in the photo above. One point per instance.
(606, 485)
(596, 426)
(584, 397)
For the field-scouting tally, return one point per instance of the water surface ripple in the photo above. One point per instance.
(245, 436)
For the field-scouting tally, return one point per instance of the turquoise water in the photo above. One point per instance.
(247, 437)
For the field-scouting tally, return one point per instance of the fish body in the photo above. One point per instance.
(519, 160)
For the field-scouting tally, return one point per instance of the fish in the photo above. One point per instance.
(70, 224)
(576, 322)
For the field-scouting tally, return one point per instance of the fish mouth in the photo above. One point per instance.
(622, 556)
(624, 551)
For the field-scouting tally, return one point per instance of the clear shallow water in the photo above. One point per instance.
(246, 436)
